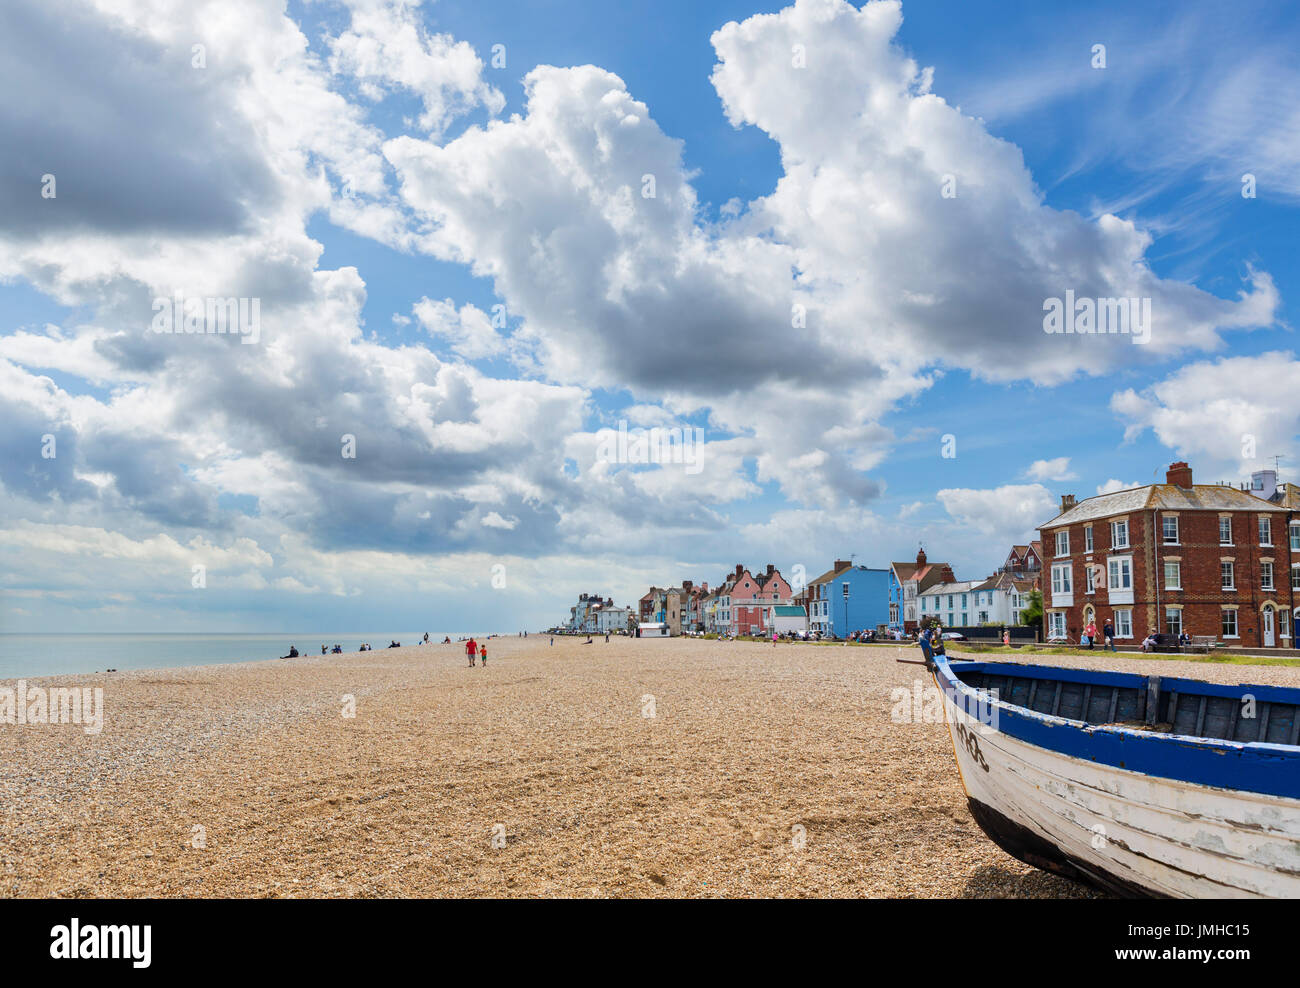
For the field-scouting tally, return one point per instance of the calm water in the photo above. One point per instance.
(55, 655)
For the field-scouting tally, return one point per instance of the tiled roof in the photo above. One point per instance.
(965, 586)
(1167, 497)
(1287, 496)
(829, 575)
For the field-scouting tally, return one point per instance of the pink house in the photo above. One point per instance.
(751, 595)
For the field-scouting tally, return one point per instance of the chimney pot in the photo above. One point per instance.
(1067, 502)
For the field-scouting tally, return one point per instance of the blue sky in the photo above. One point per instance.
(380, 185)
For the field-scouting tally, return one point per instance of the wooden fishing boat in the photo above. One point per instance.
(1138, 785)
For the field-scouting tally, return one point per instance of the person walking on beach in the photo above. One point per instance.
(774, 638)
(1090, 633)
(482, 654)
(471, 650)
(1108, 631)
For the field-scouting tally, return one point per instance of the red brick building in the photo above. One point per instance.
(1206, 559)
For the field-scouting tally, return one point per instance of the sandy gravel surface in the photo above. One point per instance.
(762, 772)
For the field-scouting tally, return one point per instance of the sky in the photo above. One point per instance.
(474, 240)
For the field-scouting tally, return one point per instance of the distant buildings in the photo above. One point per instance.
(857, 599)
(816, 598)
(1025, 562)
(746, 596)
(593, 614)
(1210, 560)
(971, 603)
(906, 582)
(951, 603)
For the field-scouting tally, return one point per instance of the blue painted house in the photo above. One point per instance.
(858, 600)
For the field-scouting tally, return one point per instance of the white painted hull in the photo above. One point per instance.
(1149, 835)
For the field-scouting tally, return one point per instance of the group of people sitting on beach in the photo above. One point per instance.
(472, 648)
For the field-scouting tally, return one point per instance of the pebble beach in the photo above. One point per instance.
(634, 768)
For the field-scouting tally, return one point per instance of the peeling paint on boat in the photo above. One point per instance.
(1134, 833)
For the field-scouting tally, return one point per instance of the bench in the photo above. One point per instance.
(1164, 643)
(1202, 643)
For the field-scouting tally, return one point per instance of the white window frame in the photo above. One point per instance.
(1123, 622)
(1266, 576)
(1087, 538)
(1119, 566)
(1164, 526)
(1115, 528)
(1236, 625)
(1065, 583)
(1265, 531)
(1063, 539)
(1232, 574)
(1178, 573)
(1055, 630)
(1225, 519)
(1174, 611)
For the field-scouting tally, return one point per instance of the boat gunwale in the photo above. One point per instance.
(1151, 749)
(1190, 687)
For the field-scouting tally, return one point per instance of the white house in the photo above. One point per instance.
(952, 603)
(595, 615)
(783, 618)
(609, 619)
(968, 603)
(652, 629)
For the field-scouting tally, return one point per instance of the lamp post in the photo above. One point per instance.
(846, 612)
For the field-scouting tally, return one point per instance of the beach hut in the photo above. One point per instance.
(652, 629)
(783, 618)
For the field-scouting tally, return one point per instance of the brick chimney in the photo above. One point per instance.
(920, 557)
(686, 584)
(1067, 502)
(770, 569)
(842, 564)
(1179, 475)
(740, 568)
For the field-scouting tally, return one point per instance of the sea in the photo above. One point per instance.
(62, 654)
